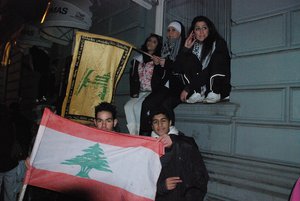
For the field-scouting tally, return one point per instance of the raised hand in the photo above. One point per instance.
(156, 60)
(190, 40)
(183, 95)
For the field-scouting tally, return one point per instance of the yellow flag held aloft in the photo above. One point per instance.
(97, 66)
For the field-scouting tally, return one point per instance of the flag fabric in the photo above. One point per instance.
(69, 157)
(6, 53)
(97, 65)
(295, 196)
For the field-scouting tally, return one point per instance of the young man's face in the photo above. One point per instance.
(161, 124)
(105, 121)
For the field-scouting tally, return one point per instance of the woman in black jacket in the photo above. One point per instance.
(143, 79)
(205, 64)
(167, 94)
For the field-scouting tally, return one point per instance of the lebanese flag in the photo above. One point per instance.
(70, 157)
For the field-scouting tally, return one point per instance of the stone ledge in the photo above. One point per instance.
(200, 110)
(236, 179)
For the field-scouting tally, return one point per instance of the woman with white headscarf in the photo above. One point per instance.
(168, 95)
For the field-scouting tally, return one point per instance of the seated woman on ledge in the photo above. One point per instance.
(143, 79)
(167, 95)
(205, 64)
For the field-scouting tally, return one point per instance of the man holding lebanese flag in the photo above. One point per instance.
(94, 165)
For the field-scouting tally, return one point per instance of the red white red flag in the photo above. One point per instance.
(70, 157)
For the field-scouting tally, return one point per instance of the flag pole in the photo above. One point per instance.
(142, 52)
(38, 139)
(22, 193)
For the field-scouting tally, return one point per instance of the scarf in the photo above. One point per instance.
(197, 49)
(171, 48)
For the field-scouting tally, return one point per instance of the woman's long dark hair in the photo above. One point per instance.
(213, 35)
(157, 51)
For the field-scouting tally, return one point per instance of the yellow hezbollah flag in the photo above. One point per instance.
(97, 66)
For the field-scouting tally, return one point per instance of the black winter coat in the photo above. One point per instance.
(183, 159)
(194, 76)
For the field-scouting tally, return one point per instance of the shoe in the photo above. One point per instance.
(195, 98)
(212, 98)
(226, 99)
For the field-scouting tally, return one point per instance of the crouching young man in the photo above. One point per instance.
(183, 176)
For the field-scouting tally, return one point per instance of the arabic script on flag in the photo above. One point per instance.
(97, 65)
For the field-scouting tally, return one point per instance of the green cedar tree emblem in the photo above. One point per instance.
(93, 158)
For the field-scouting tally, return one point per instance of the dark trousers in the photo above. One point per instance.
(198, 77)
(163, 97)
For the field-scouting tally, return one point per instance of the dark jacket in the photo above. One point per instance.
(183, 159)
(194, 76)
(8, 138)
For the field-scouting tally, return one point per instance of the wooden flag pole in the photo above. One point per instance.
(142, 52)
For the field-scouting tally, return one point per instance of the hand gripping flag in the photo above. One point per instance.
(97, 66)
(105, 166)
